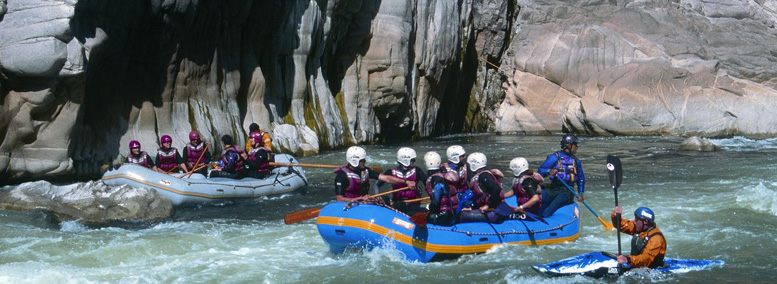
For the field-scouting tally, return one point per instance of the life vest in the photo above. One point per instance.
(638, 244)
(139, 160)
(461, 183)
(567, 165)
(410, 175)
(228, 159)
(193, 152)
(521, 196)
(481, 197)
(356, 182)
(264, 167)
(448, 201)
(167, 158)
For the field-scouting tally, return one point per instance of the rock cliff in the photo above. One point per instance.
(82, 78)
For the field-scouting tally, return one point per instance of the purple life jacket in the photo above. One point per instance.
(481, 197)
(446, 203)
(237, 150)
(264, 167)
(139, 160)
(193, 152)
(409, 175)
(355, 181)
(167, 159)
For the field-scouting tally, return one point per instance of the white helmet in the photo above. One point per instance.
(405, 155)
(519, 165)
(432, 160)
(354, 155)
(476, 161)
(454, 152)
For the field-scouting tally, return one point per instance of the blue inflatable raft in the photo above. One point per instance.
(601, 264)
(366, 226)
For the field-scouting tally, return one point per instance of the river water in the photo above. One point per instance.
(714, 205)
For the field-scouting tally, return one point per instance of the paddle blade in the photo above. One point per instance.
(614, 170)
(607, 225)
(300, 216)
(419, 219)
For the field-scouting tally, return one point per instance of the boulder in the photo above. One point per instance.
(91, 202)
(697, 144)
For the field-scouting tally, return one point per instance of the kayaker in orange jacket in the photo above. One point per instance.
(648, 245)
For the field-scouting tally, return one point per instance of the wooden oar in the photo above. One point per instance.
(309, 213)
(198, 161)
(377, 169)
(170, 170)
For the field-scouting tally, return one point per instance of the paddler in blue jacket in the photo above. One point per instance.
(562, 168)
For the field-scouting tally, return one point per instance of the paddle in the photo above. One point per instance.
(377, 169)
(309, 213)
(616, 176)
(192, 170)
(607, 225)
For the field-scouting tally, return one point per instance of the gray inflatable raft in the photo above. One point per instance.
(197, 189)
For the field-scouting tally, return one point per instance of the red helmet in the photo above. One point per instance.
(134, 144)
(194, 135)
(165, 139)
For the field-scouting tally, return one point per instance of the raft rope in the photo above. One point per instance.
(380, 202)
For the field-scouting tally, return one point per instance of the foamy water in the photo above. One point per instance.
(719, 205)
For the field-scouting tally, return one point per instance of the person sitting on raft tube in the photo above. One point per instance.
(263, 136)
(648, 245)
(486, 189)
(138, 157)
(441, 191)
(195, 152)
(232, 159)
(352, 180)
(456, 164)
(258, 159)
(562, 168)
(526, 186)
(406, 170)
(167, 156)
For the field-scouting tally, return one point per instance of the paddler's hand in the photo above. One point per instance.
(580, 199)
(552, 172)
(622, 259)
(410, 184)
(484, 209)
(618, 210)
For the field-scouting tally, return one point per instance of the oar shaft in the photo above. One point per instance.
(578, 196)
(390, 191)
(377, 169)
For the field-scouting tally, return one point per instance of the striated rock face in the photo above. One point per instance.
(82, 78)
(642, 67)
(91, 202)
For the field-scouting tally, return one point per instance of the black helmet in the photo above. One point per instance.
(569, 139)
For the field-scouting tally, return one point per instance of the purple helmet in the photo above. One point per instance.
(194, 135)
(134, 144)
(165, 139)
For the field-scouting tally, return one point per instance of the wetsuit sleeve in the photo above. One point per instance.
(380, 182)
(421, 175)
(488, 183)
(546, 166)
(341, 182)
(373, 174)
(529, 185)
(580, 176)
(655, 246)
(152, 163)
(178, 158)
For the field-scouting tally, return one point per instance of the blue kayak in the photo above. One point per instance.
(600, 264)
(367, 226)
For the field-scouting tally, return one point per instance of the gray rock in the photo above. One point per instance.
(91, 202)
(695, 143)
